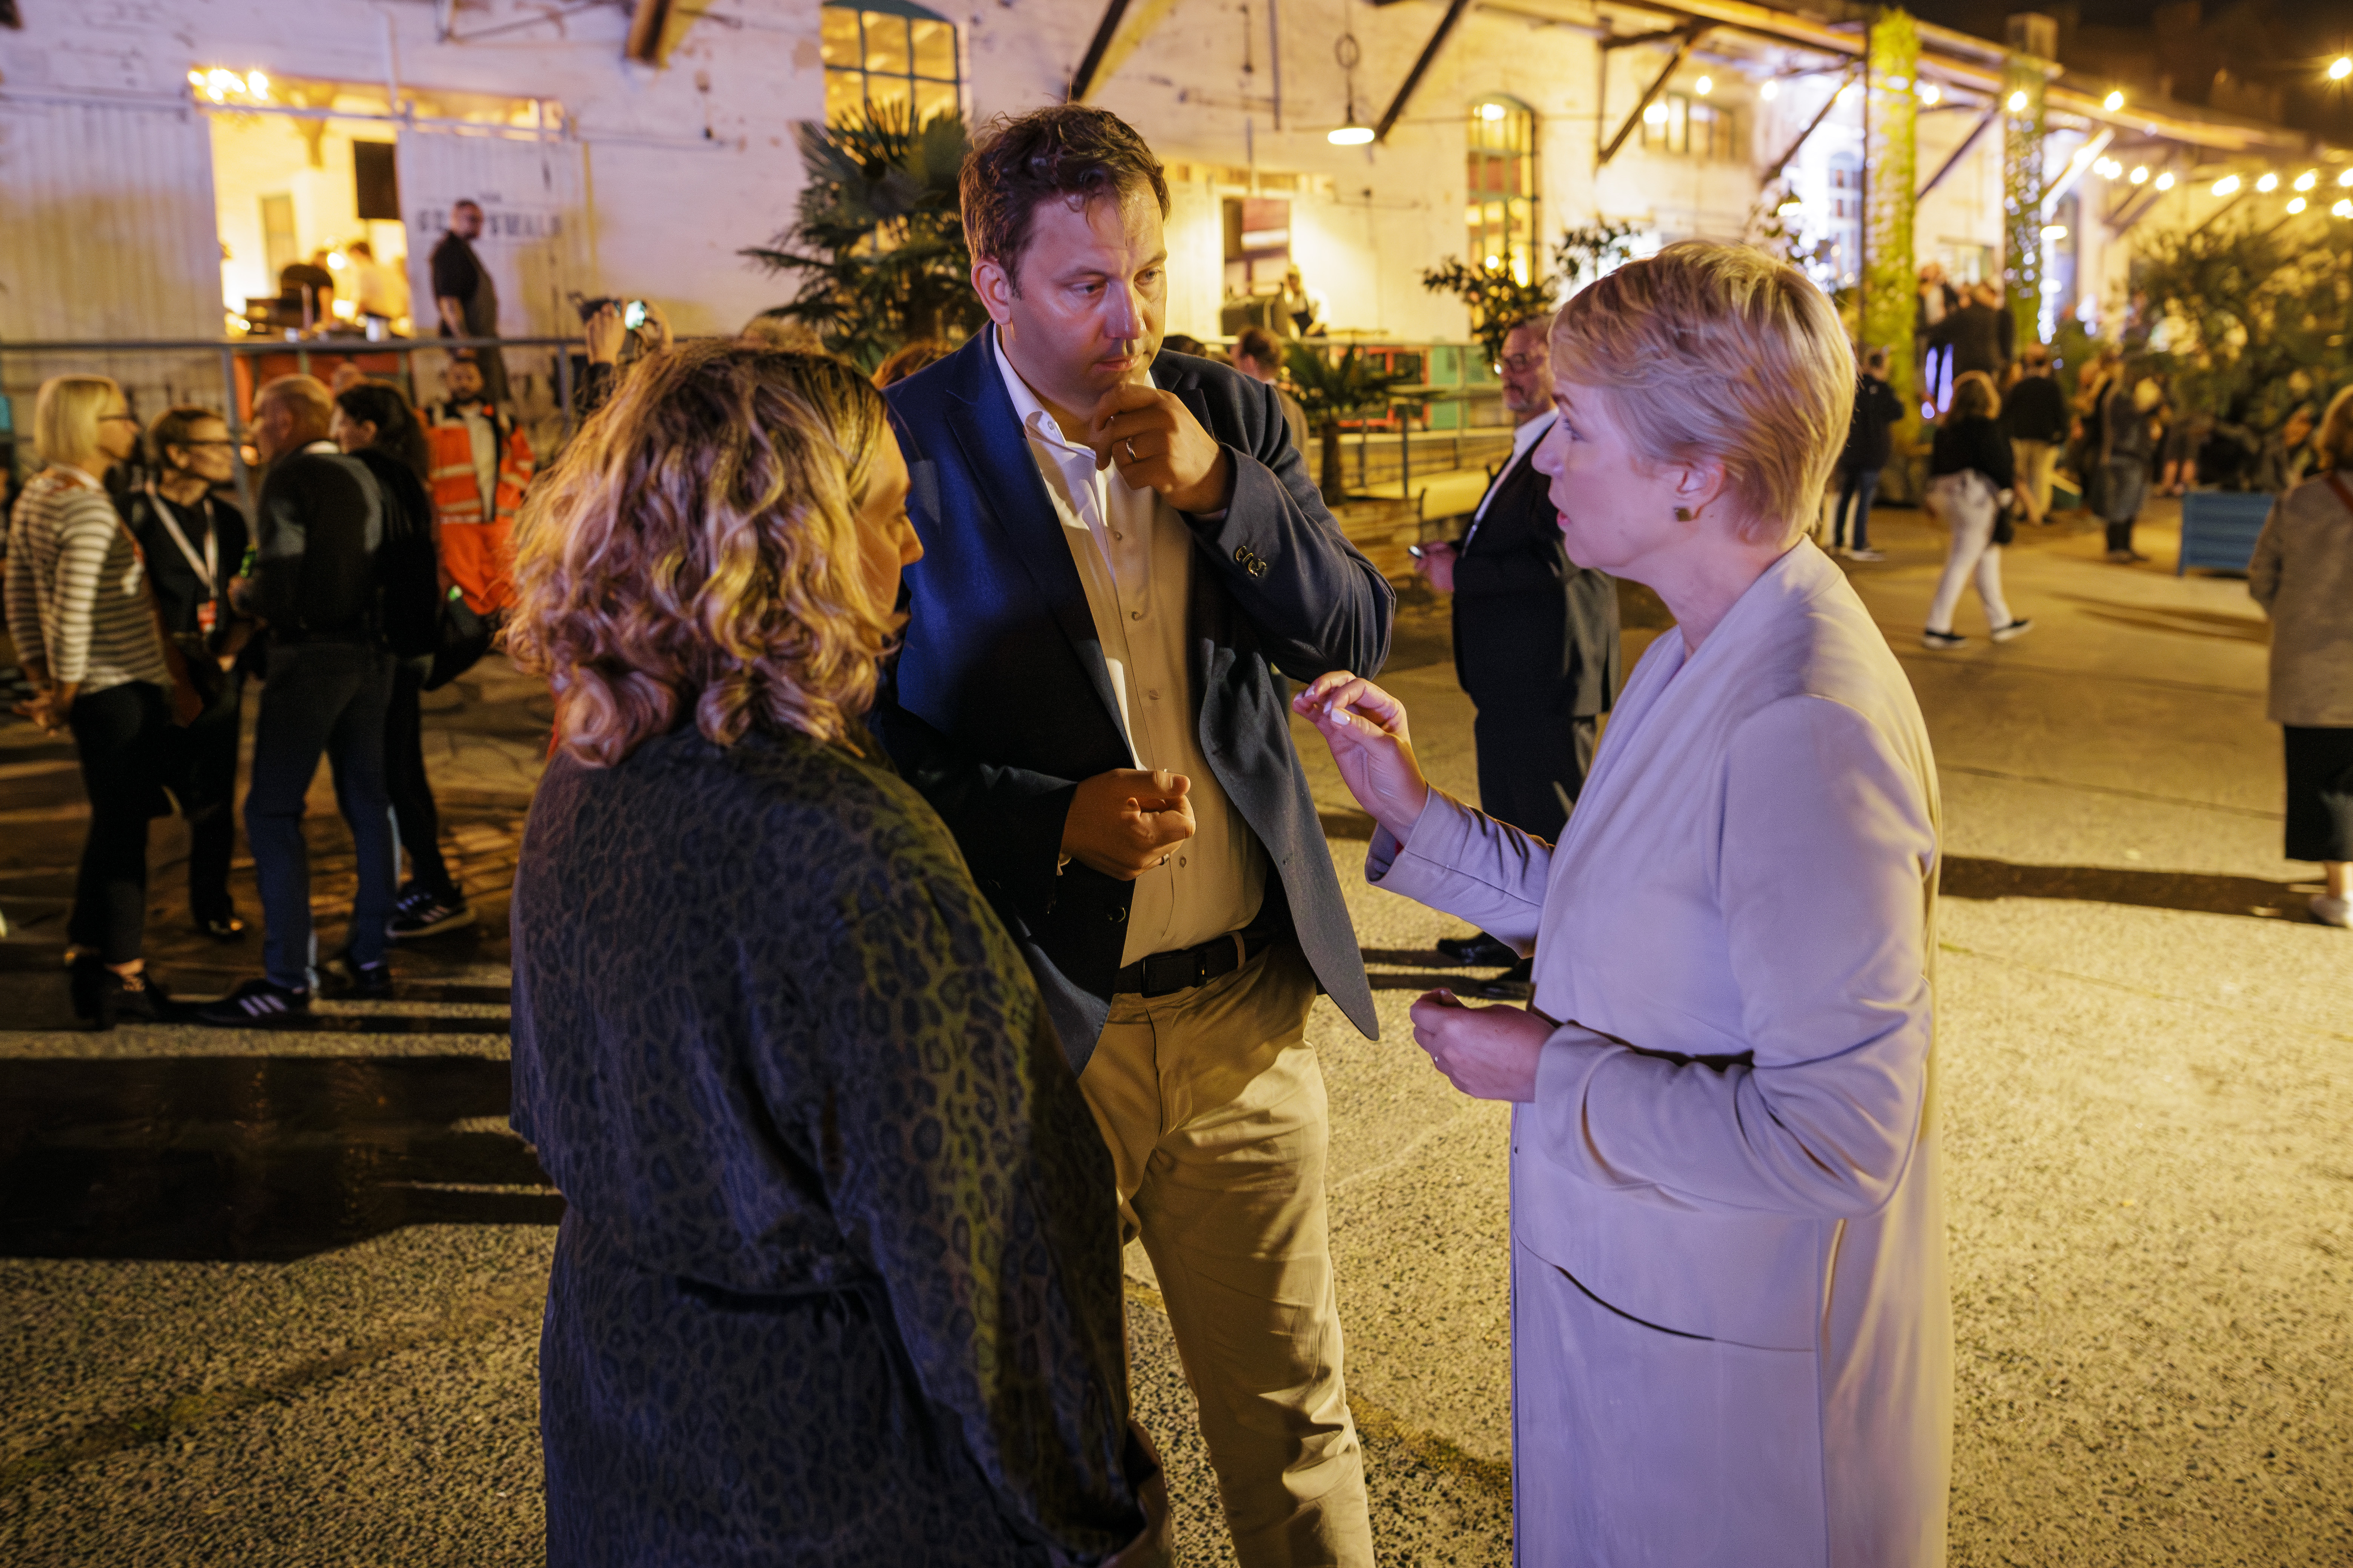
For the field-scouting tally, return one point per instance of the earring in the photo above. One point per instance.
(1685, 514)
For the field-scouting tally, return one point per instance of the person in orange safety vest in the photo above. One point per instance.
(481, 467)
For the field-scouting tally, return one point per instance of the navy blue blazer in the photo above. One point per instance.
(999, 701)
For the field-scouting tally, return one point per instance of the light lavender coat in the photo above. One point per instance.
(2302, 574)
(1734, 1136)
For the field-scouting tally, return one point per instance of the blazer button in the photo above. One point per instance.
(1242, 554)
(1115, 915)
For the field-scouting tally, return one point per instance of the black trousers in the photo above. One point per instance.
(119, 735)
(202, 773)
(1532, 766)
(2319, 792)
(414, 815)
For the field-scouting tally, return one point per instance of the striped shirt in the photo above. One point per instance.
(74, 573)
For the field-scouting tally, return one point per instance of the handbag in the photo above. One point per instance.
(465, 637)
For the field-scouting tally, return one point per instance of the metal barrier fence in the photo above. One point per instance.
(224, 374)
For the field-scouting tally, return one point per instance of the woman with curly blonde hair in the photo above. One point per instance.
(837, 1277)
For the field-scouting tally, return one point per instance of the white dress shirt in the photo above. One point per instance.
(1524, 440)
(1135, 556)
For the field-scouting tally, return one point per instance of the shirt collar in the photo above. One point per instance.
(1037, 419)
(321, 446)
(1529, 434)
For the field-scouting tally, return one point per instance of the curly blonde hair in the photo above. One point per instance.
(1719, 351)
(697, 545)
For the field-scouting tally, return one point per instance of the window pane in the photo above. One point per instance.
(886, 44)
(841, 37)
(936, 51)
(845, 94)
(893, 91)
(934, 98)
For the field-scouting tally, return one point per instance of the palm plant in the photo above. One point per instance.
(1330, 390)
(1498, 301)
(877, 238)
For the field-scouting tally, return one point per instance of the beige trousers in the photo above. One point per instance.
(1212, 1102)
(2035, 461)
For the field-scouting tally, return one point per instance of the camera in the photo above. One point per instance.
(633, 311)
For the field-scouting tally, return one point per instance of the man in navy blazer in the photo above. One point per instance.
(1122, 557)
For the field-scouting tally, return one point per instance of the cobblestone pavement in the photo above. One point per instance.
(273, 1296)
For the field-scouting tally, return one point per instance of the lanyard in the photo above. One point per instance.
(207, 566)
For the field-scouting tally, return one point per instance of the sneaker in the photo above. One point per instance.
(424, 910)
(1942, 639)
(346, 976)
(1477, 951)
(255, 1003)
(1865, 554)
(2016, 629)
(2332, 912)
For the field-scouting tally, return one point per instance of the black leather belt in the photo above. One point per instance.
(1164, 973)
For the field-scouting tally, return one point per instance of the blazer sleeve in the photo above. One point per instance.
(1467, 864)
(1824, 867)
(957, 1155)
(2264, 568)
(1317, 603)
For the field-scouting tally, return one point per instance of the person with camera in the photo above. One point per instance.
(192, 540)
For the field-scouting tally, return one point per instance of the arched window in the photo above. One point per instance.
(883, 52)
(1502, 210)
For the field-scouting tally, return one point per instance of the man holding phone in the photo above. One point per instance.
(1123, 549)
(1536, 640)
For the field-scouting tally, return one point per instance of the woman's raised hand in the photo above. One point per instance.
(1365, 728)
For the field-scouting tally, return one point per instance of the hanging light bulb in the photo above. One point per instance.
(1703, 86)
(1355, 133)
(2017, 101)
(2165, 181)
(2341, 69)
(2114, 102)
(2227, 185)
(2268, 184)
(1769, 91)
(256, 84)
(2140, 175)
(1931, 94)
(2345, 178)
(2295, 204)
(2343, 209)
(2309, 179)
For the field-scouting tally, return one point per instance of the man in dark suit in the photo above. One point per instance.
(1535, 639)
(1122, 550)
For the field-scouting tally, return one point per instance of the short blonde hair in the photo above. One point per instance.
(309, 394)
(66, 415)
(1719, 352)
(696, 546)
(2334, 440)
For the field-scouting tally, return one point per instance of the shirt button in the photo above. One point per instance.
(1153, 695)
(1180, 860)
(1136, 615)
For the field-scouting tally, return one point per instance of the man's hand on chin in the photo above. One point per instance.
(1158, 445)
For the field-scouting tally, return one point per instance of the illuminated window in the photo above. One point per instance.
(1694, 128)
(889, 53)
(1502, 210)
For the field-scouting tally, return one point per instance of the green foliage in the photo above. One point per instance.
(878, 238)
(1891, 284)
(1498, 301)
(2255, 320)
(1584, 254)
(1330, 390)
(1769, 231)
(2022, 132)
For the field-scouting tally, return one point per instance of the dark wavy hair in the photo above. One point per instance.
(1054, 153)
(397, 430)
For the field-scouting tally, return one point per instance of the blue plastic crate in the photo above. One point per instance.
(2219, 529)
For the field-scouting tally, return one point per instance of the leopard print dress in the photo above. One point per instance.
(838, 1278)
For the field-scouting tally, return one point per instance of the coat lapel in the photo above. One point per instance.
(1009, 490)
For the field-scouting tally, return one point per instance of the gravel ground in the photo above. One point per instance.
(2142, 1050)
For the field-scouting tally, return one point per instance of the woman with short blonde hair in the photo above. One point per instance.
(1731, 1341)
(837, 1278)
(85, 629)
